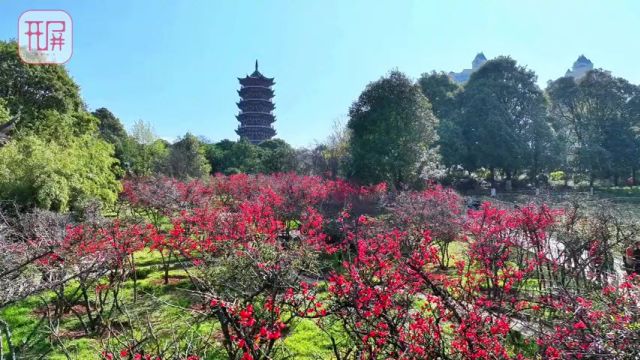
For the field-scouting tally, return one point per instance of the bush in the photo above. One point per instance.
(557, 176)
(53, 176)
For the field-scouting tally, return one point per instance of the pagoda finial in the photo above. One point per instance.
(256, 64)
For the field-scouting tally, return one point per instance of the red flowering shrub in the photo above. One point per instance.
(436, 209)
(530, 282)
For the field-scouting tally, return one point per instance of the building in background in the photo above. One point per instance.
(580, 67)
(463, 76)
(256, 108)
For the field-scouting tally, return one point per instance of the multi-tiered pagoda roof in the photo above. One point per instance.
(256, 108)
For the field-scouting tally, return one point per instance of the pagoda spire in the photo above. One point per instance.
(256, 108)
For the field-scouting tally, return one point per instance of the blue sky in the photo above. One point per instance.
(175, 63)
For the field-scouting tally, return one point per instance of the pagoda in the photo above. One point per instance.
(256, 108)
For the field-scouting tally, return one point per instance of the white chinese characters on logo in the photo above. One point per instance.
(45, 37)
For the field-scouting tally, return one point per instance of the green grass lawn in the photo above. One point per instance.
(166, 306)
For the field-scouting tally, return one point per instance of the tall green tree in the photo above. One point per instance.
(4, 112)
(229, 157)
(503, 119)
(143, 154)
(335, 151)
(277, 156)
(112, 131)
(187, 159)
(598, 114)
(392, 132)
(110, 127)
(51, 155)
(443, 94)
(31, 89)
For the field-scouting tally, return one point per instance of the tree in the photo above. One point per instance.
(112, 131)
(392, 132)
(503, 119)
(142, 152)
(443, 94)
(31, 89)
(277, 156)
(142, 132)
(110, 127)
(187, 159)
(6, 123)
(336, 149)
(597, 114)
(231, 157)
(57, 176)
(52, 157)
(633, 108)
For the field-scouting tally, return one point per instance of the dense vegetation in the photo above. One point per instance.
(262, 267)
(500, 127)
(115, 244)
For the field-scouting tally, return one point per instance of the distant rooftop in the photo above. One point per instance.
(478, 61)
(463, 76)
(580, 67)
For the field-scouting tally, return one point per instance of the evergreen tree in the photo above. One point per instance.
(598, 114)
(503, 119)
(392, 132)
(187, 159)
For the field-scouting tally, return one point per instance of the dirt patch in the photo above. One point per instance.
(173, 280)
(79, 309)
(51, 308)
(71, 334)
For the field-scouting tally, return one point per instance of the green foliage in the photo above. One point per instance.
(232, 157)
(392, 132)
(503, 119)
(597, 115)
(187, 159)
(53, 157)
(228, 155)
(441, 93)
(4, 112)
(61, 128)
(557, 176)
(335, 151)
(144, 159)
(55, 176)
(32, 89)
(143, 154)
(111, 129)
(277, 156)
